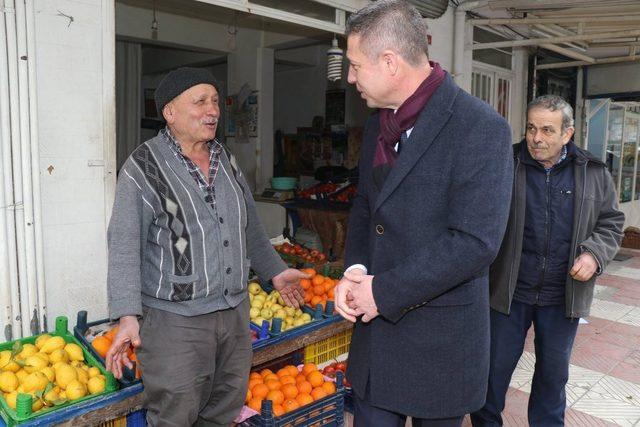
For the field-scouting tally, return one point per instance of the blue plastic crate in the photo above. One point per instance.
(328, 411)
(128, 376)
(137, 418)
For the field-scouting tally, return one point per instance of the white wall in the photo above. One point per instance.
(613, 78)
(441, 48)
(73, 111)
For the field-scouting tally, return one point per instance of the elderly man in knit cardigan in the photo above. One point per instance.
(183, 234)
(432, 206)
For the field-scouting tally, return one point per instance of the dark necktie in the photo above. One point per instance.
(403, 139)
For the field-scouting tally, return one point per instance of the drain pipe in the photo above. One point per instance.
(16, 158)
(35, 164)
(9, 272)
(27, 182)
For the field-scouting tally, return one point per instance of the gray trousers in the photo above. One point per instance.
(195, 370)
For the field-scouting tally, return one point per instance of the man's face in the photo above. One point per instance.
(544, 136)
(193, 115)
(369, 77)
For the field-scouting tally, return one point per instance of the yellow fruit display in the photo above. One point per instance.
(34, 363)
(21, 374)
(49, 372)
(27, 350)
(74, 351)
(53, 344)
(51, 396)
(8, 381)
(11, 399)
(83, 376)
(65, 374)
(75, 390)
(96, 385)
(93, 371)
(6, 363)
(58, 356)
(36, 405)
(41, 340)
(36, 381)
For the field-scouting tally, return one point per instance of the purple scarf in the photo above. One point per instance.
(392, 125)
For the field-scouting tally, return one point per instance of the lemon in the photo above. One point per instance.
(11, 399)
(51, 396)
(43, 356)
(41, 340)
(83, 376)
(74, 351)
(58, 356)
(96, 385)
(93, 371)
(36, 405)
(65, 374)
(49, 372)
(6, 364)
(27, 350)
(20, 389)
(8, 382)
(35, 381)
(75, 390)
(76, 364)
(21, 374)
(34, 363)
(52, 344)
(62, 395)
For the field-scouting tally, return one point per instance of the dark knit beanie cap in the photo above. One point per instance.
(177, 81)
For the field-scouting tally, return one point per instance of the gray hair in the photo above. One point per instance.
(554, 103)
(390, 24)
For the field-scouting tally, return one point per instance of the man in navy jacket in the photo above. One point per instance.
(564, 228)
(428, 219)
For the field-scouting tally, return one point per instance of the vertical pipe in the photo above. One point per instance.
(35, 164)
(27, 182)
(16, 154)
(8, 271)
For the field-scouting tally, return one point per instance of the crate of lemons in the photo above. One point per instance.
(47, 371)
(271, 308)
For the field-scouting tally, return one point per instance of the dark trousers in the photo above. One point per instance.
(195, 369)
(554, 336)
(366, 415)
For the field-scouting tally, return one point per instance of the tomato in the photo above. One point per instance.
(286, 250)
(341, 366)
(329, 371)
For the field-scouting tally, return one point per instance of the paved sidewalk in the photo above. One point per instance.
(604, 376)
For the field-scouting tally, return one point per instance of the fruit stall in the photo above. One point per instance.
(296, 379)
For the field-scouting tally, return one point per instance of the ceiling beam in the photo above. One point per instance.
(558, 20)
(569, 53)
(278, 14)
(563, 39)
(347, 5)
(544, 4)
(569, 64)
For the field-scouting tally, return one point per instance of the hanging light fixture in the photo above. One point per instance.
(334, 61)
(154, 23)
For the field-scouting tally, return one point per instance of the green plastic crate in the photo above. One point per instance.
(23, 413)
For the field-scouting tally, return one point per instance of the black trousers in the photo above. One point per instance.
(366, 415)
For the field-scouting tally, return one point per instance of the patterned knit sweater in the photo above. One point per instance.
(170, 248)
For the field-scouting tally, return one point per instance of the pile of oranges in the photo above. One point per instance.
(318, 289)
(102, 343)
(288, 388)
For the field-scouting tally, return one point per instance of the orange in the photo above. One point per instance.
(318, 290)
(273, 384)
(290, 391)
(253, 375)
(259, 391)
(111, 333)
(328, 286)
(276, 396)
(101, 344)
(305, 283)
(318, 393)
(307, 297)
(282, 372)
(290, 405)
(308, 367)
(293, 371)
(278, 410)
(310, 271)
(248, 396)
(315, 301)
(255, 404)
(300, 378)
(133, 357)
(329, 387)
(287, 379)
(315, 378)
(305, 387)
(317, 280)
(265, 372)
(253, 382)
(331, 294)
(304, 399)
(270, 377)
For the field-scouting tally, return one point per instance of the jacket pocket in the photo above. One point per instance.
(182, 288)
(464, 294)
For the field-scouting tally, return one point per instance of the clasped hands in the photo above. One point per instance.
(354, 296)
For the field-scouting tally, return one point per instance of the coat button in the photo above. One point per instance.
(228, 270)
(225, 243)
(226, 291)
(379, 229)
